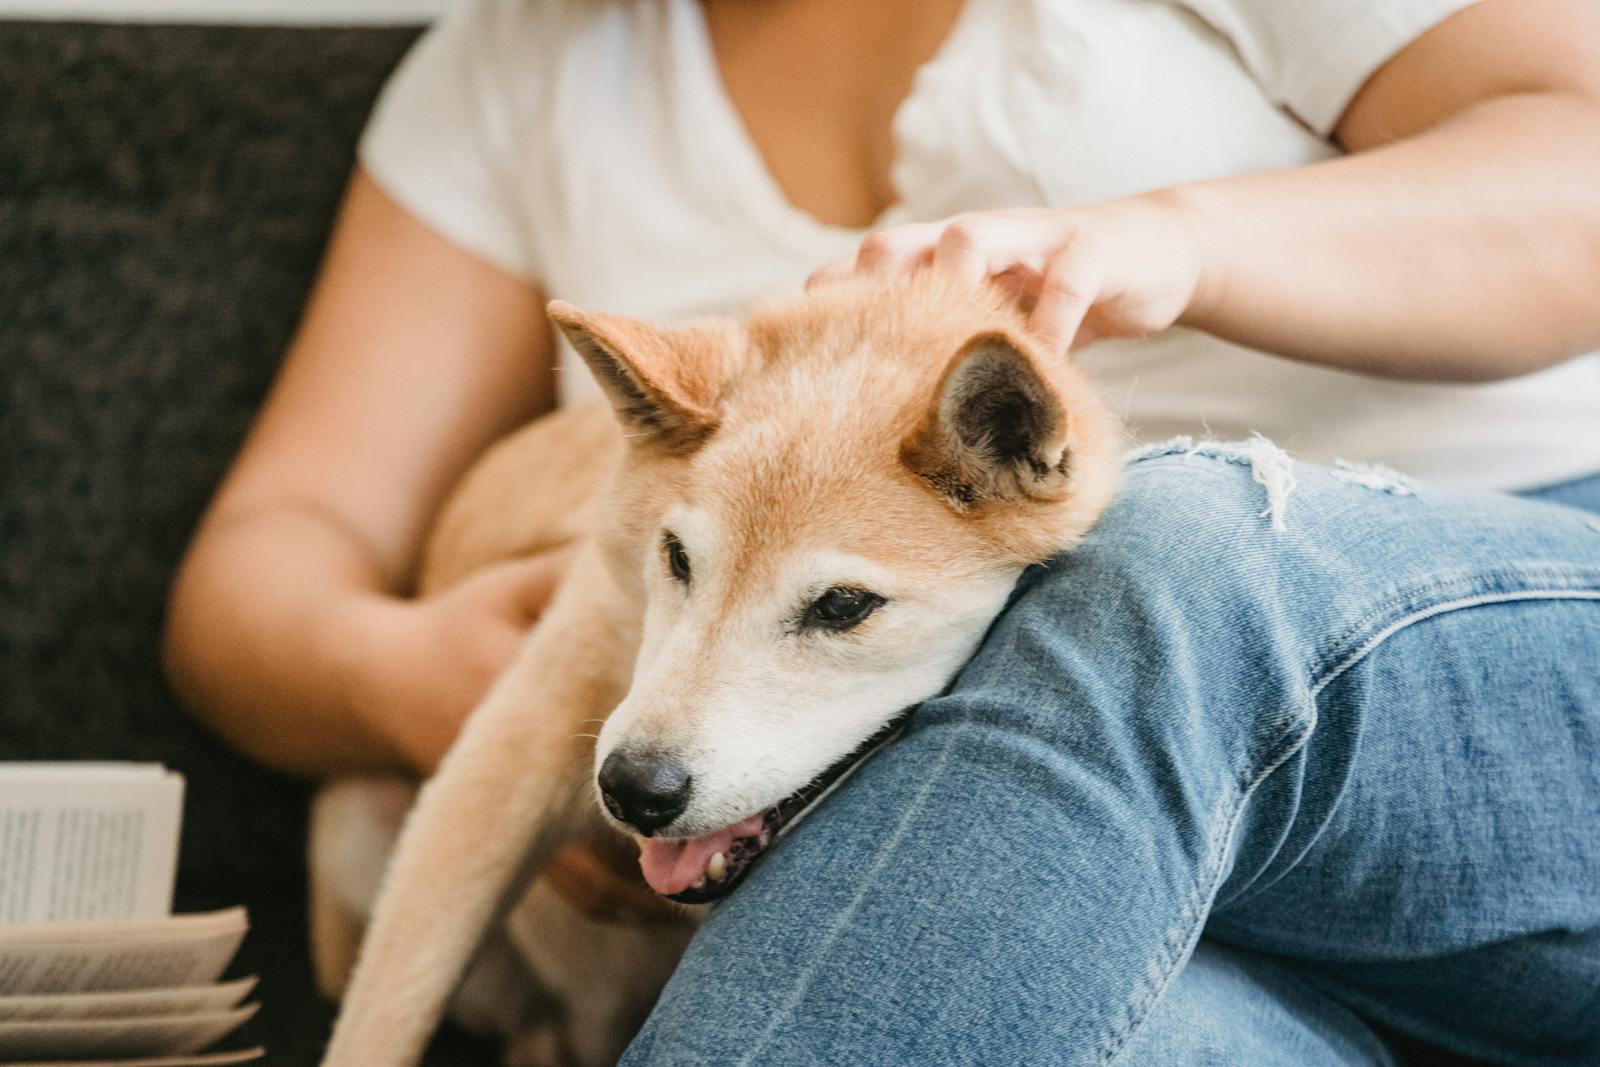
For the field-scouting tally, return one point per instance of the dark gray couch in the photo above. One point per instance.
(164, 197)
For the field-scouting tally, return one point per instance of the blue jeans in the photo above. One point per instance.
(1260, 765)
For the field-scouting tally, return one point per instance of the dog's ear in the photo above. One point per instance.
(996, 429)
(657, 378)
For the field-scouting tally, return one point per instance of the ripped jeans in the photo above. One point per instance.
(1282, 761)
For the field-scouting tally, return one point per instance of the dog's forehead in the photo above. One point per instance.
(805, 557)
(807, 454)
(764, 501)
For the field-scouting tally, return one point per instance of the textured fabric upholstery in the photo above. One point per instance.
(165, 192)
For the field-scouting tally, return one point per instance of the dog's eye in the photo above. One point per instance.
(677, 558)
(841, 608)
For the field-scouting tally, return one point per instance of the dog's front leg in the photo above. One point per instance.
(501, 802)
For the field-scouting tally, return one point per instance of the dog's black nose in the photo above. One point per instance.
(645, 790)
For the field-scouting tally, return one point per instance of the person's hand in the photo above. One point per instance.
(1127, 268)
(425, 664)
(420, 666)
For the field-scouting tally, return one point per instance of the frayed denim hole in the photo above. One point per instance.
(1273, 470)
(1372, 476)
(1270, 466)
(1173, 446)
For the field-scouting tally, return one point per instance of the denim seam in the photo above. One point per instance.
(1393, 623)
(1181, 938)
(826, 943)
(1177, 939)
(1358, 648)
(1404, 600)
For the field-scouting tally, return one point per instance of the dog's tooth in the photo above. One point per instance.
(716, 866)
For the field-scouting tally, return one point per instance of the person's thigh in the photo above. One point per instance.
(1231, 1008)
(1445, 879)
(1171, 716)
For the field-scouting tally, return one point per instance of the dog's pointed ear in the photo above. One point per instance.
(661, 394)
(995, 430)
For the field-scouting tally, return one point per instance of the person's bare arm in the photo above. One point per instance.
(287, 630)
(1459, 241)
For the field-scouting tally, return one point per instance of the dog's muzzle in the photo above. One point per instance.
(702, 869)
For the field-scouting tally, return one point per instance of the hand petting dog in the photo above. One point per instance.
(1127, 268)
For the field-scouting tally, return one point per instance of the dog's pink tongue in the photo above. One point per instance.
(673, 864)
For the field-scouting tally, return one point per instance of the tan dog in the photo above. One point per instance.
(804, 527)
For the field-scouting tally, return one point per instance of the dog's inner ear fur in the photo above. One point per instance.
(657, 382)
(996, 429)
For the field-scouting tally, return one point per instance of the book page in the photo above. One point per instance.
(87, 841)
(170, 1035)
(143, 1003)
(184, 950)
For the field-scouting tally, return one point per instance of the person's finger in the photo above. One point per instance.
(827, 274)
(1068, 289)
(971, 249)
(897, 249)
(888, 251)
(1010, 248)
(1086, 336)
(1020, 284)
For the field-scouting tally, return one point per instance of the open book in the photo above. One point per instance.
(94, 968)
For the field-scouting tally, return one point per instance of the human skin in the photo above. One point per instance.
(1472, 162)
(1460, 241)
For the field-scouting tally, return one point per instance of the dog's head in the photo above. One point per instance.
(822, 508)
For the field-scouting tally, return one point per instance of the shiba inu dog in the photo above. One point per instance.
(789, 531)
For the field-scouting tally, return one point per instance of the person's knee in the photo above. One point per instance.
(1222, 550)
(1191, 546)
(1176, 599)
(1199, 525)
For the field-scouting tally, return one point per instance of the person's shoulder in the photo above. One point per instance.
(518, 59)
(520, 31)
(473, 109)
(510, 32)
(533, 56)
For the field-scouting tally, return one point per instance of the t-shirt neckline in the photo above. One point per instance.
(709, 112)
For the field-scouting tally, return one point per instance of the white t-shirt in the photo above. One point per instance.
(589, 145)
